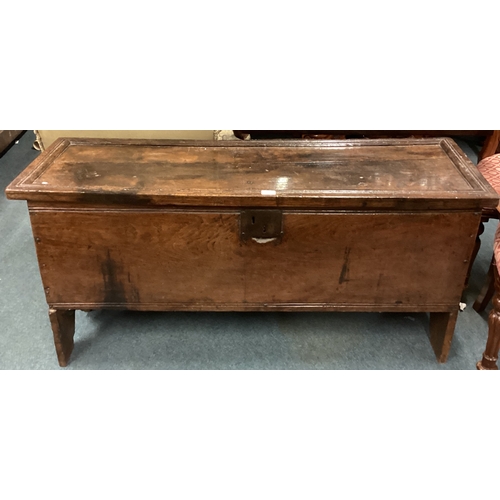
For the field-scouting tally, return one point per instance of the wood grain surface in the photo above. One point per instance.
(63, 329)
(172, 259)
(367, 225)
(383, 174)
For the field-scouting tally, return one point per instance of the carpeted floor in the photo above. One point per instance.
(142, 340)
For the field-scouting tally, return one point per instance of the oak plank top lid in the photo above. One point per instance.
(415, 174)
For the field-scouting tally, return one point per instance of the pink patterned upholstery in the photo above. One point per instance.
(490, 168)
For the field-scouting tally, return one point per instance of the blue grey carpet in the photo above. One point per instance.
(181, 340)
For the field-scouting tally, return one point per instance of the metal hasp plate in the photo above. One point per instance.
(261, 224)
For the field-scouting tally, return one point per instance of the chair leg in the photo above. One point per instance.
(490, 355)
(490, 145)
(484, 297)
(477, 246)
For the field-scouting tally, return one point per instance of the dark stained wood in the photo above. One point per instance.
(63, 328)
(442, 327)
(488, 290)
(144, 259)
(386, 225)
(490, 145)
(7, 137)
(383, 174)
(477, 247)
(322, 136)
(369, 134)
(490, 355)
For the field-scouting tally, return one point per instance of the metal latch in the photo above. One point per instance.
(261, 224)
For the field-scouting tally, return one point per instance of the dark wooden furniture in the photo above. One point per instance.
(490, 355)
(490, 138)
(7, 137)
(383, 225)
(490, 169)
(491, 145)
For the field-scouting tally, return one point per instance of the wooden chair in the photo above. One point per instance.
(490, 168)
(491, 144)
(490, 355)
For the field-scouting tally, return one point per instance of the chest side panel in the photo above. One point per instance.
(174, 259)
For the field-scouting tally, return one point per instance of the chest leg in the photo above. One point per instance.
(63, 328)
